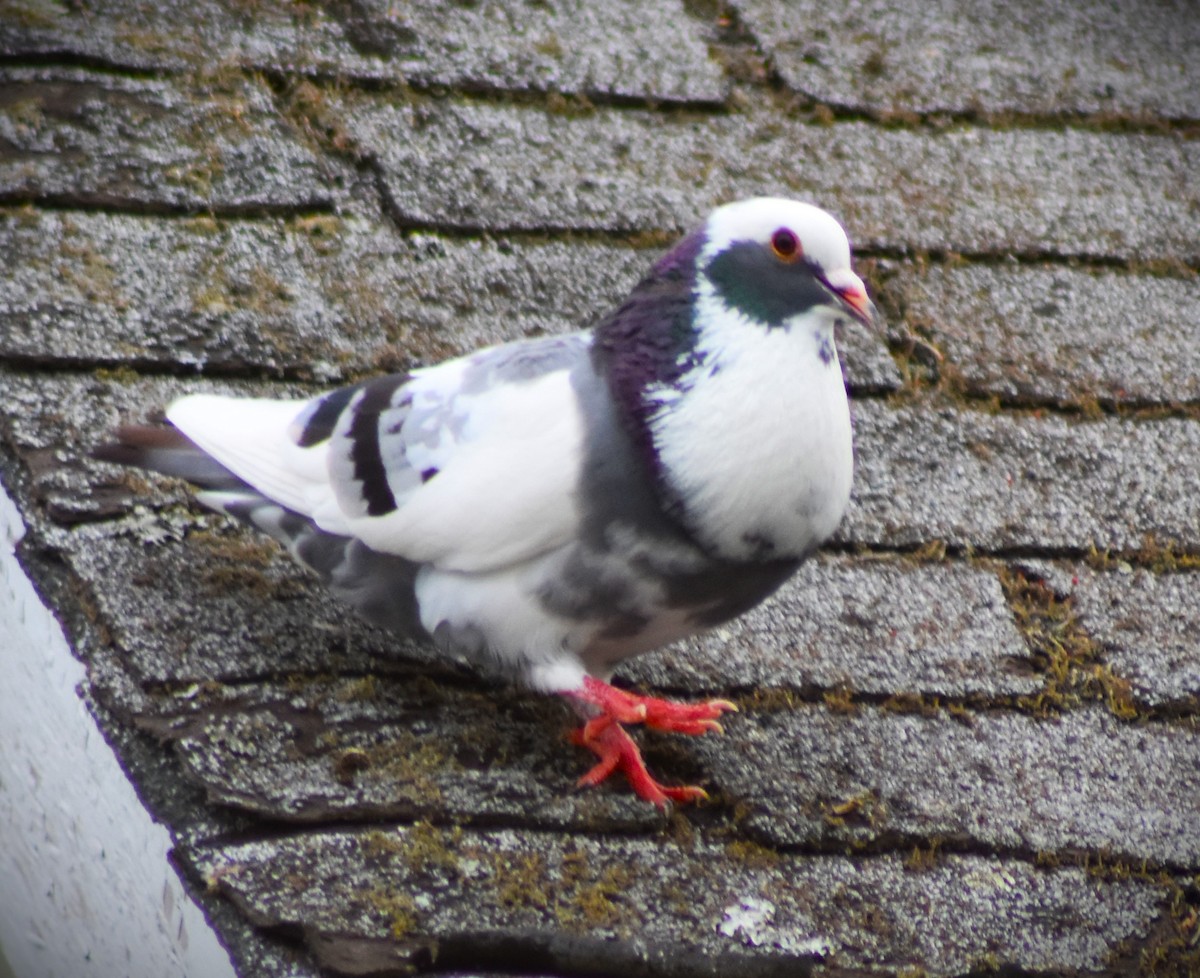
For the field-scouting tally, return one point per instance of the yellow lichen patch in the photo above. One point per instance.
(918, 703)
(26, 114)
(1044, 859)
(422, 849)
(772, 699)
(91, 273)
(823, 115)
(122, 375)
(214, 879)
(398, 910)
(364, 688)
(599, 901)
(520, 880)
(1169, 266)
(931, 552)
(550, 45)
(571, 893)
(264, 292)
(586, 900)
(573, 105)
(1065, 654)
(430, 848)
(238, 547)
(239, 562)
(1165, 556)
(411, 764)
(840, 700)
(1179, 953)
(323, 232)
(643, 240)
(865, 807)
(33, 13)
(311, 107)
(924, 858)
(378, 844)
(752, 854)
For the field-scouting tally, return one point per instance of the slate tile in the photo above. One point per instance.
(203, 636)
(360, 748)
(1032, 481)
(870, 626)
(620, 903)
(1002, 781)
(1054, 334)
(1033, 56)
(82, 289)
(467, 164)
(640, 49)
(628, 48)
(53, 421)
(83, 138)
(1146, 625)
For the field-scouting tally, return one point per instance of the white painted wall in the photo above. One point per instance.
(85, 887)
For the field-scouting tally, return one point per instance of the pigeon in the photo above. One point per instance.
(550, 507)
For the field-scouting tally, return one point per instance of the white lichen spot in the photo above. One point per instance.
(752, 921)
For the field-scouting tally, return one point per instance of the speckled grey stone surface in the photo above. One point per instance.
(449, 162)
(1146, 626)
(1060, 335)
(386, 747)
(1084, 779)
(1031, 56)
(81, 138)
(642, 49)
(782, 909)
(1014, 481)
(870, 626)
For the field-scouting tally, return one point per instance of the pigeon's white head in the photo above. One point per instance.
(771, 259)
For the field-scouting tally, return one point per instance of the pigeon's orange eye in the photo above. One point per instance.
(786, 245)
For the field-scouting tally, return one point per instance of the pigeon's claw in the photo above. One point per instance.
(612, 744)
(658, 714)
(604, 736)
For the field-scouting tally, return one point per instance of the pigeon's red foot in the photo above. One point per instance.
(604, 736)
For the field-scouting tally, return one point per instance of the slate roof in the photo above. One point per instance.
(968, 733)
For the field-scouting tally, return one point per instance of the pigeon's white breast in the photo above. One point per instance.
(756, 443)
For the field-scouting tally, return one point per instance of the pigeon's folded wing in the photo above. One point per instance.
(471, 466)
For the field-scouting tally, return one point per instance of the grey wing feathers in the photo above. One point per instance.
(168, 451)
(379, 586)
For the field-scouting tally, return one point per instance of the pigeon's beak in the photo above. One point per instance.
(850, 289)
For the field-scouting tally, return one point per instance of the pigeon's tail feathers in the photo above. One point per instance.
(169, 451)
(251, 438)
(381, 587)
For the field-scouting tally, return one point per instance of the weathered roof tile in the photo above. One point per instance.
(1058, 334)
(91, 139)
(1145, 624)
(639, 49)
(871, 626)
(1031, 56)
(452, 163)
(1002, 781)
(406, 890)
(1019, 480)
